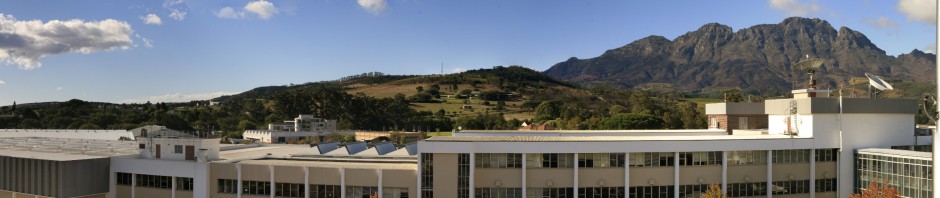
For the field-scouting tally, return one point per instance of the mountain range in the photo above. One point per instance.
(758, 58)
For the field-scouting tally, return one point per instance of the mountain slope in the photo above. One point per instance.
(755, 58)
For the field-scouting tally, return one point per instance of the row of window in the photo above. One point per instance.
(463, 175)
(316, 191)
(601, 160)
(498, 192)
(498, 160)
(911, 177)
(647, 159)
(256, 187)
(747, 157)
(182, 183)
(550, 160)
(700, 158)
(790, 156)
(790, 187)
(292, 190)
(427, 175)
(154, 181)
(550, 193)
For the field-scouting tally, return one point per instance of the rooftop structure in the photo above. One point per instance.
(304, 123)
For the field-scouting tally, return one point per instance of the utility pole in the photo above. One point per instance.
(936, 136)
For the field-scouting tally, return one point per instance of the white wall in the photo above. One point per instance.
(196, 170)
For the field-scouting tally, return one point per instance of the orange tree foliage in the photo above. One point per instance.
(714, 191)
(877, 190)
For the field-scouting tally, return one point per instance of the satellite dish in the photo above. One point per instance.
(878, 83)
(810, 66)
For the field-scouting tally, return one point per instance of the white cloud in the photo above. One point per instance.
(795, 7)
(229, 13)
(177, 9)
(932, 48)
(24, 43)
(458, 70)
(262, 8)
(373, 6)
(147, 42)
(177, 97)
(59, 89)
(882, 23)
(2, 82)
(919, 10)
(152, 19)
(178, 15)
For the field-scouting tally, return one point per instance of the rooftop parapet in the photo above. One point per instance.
(806, 106)
(734, 109)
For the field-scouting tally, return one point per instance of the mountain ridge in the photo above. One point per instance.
(756, 58)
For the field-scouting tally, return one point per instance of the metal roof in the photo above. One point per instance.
(64, 149)
(524, 138)
(898, 153)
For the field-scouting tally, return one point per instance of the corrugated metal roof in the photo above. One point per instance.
(523, 138)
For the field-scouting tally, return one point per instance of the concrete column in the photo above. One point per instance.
(238, 186)
(380, 183)
(936, 135)
(724, 172)
(342, 182)
(675, 174)
(133, 185)
(473, 167)
(812, 173)
(306, 181)
(576, 174)
(770, 173)
(271, 171)
(626, 173)
(173, 187)
(112, 180)
(524, 170)
(420, 169)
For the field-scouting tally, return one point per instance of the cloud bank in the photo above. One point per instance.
(795, 7)
(373, 6)
(24, 43)
(919, 10)
(177, 97)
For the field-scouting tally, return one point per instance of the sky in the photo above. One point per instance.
(127, 51)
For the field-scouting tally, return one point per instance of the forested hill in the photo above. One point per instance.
(757, 59)
(493, 98)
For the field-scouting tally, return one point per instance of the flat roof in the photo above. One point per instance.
(328, 164)
(64, 149)
(898, 153)
(276, 150)
(523, 138)
(597, 131)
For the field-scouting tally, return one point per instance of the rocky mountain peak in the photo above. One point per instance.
(754, 58)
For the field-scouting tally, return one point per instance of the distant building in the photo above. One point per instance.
(732, 116)
(304, 123)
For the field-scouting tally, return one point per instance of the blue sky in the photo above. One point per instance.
(117, 50)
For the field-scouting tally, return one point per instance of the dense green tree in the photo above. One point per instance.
(548, 110)
(632, 121)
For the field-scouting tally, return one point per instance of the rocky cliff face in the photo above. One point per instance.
(755, 58)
